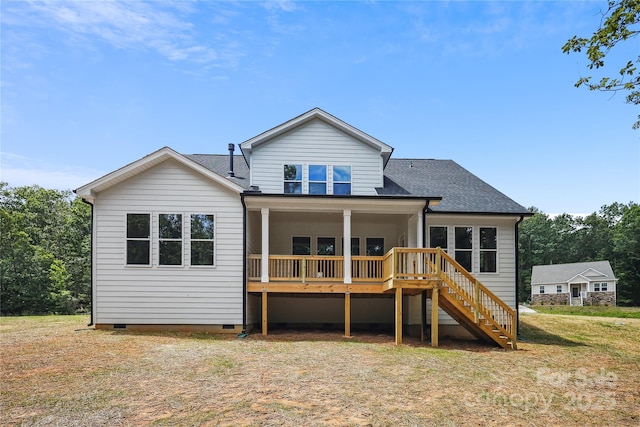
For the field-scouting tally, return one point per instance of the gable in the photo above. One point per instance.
(593, 274)
(315, 114)
(316, 142)
(90, 191)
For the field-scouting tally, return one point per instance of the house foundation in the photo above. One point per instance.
(600, 298)
(550, 299)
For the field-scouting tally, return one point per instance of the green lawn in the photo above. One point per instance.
(599, 311)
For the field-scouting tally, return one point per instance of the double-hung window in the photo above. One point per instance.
(326, 246)
(317, 179)
(138, 239)
(202, 239)
(542, 289)
(293, 179)
(341, 179)
(301, 245)
(170, 239)
(375, 246)
(600, 287)
(488, 249)
(559, 289)
(438, 237)
(464, 246)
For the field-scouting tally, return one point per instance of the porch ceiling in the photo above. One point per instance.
(332, 204)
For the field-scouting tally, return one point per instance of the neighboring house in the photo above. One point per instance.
(580, 283)
(314, 224)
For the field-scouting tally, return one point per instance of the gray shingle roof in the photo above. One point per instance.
(461, 191)
(560, 273)
(219, 163)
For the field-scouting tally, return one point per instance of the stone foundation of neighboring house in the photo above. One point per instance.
(550, 299)
(600, 298)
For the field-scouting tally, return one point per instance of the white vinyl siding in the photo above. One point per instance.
(161, 295)
(316, 143)
(502, 283)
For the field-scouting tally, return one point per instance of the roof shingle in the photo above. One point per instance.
(461, 191)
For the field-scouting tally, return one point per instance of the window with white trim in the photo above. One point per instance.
(341, 179)
(293, 179)
(317, 179)
(170, 239)
(488, 249)
(438, 237)
(558, 289)
(600, 287)
(138, 239)
(355, 246)
(464, 246)
(326, 246)
(542, 289)
(202, 239)
(375, 246)
(301, 245)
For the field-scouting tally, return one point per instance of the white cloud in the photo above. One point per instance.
(160, 26)
(20, 171)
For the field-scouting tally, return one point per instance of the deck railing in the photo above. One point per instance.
(316, 268)
(399, 264)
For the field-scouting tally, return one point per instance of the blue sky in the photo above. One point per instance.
(90, 86)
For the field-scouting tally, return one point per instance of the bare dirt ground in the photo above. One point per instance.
(569, 371)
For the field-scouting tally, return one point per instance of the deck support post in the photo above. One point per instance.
(398, 316)
(423, 316)
(264, 312)
(434, 317)
(347, 314)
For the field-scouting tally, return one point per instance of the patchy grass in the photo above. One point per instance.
(598, 311)
(569, 370)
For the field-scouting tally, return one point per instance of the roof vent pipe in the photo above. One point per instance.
(231, 149)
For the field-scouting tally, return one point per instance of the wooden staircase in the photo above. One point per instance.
(474, 306)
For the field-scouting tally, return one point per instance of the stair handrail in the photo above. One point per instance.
(478, 298)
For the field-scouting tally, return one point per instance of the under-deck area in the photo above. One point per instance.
(401, 271)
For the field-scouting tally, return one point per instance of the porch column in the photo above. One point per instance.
(265, 246)
(346, 243)
(419, 231)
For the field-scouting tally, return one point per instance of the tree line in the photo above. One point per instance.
(611, 234)
(45, 249)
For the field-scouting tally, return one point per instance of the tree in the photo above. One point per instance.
(535, 241)
(626, 241)
(620, 22)
(44, 251)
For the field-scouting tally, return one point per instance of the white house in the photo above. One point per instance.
(314, 224)
(580, 283)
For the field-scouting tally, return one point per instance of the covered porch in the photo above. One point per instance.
(363, 246)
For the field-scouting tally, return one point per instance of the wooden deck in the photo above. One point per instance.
(401, 271)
